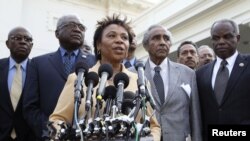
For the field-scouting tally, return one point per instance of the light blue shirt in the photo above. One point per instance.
(73, 57)
(12, 71)
(131, 61)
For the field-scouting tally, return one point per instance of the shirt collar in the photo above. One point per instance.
(13, 63)
(131, 61)
(63, 51)
(162, 65)
(230, 60)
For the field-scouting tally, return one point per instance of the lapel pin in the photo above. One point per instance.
(84, 56)
(241, 64)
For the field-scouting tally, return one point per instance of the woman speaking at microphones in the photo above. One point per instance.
(111, 42)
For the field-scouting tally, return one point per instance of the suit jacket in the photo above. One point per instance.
(234, 108)
(9, 118)
(179, 116)
(46, 81)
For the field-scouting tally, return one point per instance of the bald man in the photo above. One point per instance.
(13, 73)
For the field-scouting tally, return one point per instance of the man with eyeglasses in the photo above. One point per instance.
(49, 73)
(13, 73)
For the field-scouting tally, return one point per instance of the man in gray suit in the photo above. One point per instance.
(177, 101)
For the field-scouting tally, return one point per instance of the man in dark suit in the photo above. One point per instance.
(226, 101)
(49, 73)
(130, 61)
(173, 87)
(13, 73)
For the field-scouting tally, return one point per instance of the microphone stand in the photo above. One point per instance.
(97, 120)
(78, 97)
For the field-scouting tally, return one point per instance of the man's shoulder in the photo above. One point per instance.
(204, 68)
(43, 56)
(3, 62)
(180, 67)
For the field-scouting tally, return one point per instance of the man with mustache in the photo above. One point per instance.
(173, 87)
(49, 73)
(187, 54)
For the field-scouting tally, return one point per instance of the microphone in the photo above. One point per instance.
(121, 81)
(109, 95)
(81, 70)
(91, 81)
(105, 72)
(141, 77)
(141, 83)
(127, 104)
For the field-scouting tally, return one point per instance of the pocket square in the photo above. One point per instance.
(186, 88)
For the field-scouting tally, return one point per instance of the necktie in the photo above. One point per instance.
(127, 64)
(221, 81)
(16, 90)
(67, 62)
(159, 84)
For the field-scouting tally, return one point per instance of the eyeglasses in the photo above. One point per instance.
(20, 38)
(73, 25)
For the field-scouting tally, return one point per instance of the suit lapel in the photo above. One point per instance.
(239, 66)
(153, 88)
(172, 80)
(57, 63)
(6, 95)
(208, 82)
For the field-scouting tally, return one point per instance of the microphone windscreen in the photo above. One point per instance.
(139, 64)
(92, 76)
(110, 92)
(105, 68)
(127, 106)
(81, 66)
(121, 77)
(129, 95)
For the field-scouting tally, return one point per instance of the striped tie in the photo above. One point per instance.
(68, 62)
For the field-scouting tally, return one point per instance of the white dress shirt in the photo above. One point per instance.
(164, 73)
(230, 64)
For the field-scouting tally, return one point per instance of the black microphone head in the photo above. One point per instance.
(110, 92)
(128, 95)
(121, 77)
(81, 65)
(105, 68)
(127, 103)
(92, 76)
(139, 64)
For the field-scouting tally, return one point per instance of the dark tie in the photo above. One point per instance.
(159, 84)
(221, 81)
(127, 64)
(68, 62)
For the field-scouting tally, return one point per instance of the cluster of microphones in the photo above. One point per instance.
(114, 119)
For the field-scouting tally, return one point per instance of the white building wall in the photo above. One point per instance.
(40, 16)
(193, 20)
